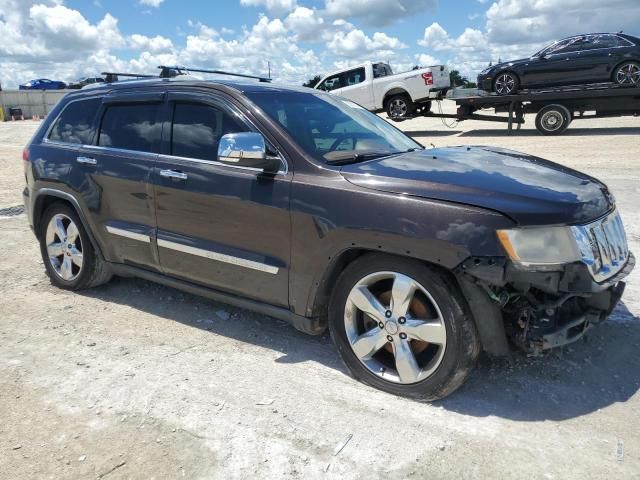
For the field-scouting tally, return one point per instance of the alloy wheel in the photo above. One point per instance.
(505, 84)
(64, 247)
(395, 327)
(398, 108)
(629, 74)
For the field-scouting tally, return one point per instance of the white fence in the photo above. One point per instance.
(32, 102)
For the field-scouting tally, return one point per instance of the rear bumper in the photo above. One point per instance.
(28, 207)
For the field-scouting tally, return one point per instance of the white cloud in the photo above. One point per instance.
(377, 12)
(151, 3)
(527, 22)
(356, 44)
(155, 44)
(306, 24)
(276, 7)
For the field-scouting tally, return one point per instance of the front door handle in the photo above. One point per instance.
(87, 160)
(173, 174)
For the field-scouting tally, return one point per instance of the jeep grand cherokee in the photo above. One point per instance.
(307, 207)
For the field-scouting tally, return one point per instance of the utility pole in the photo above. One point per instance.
(269, 68)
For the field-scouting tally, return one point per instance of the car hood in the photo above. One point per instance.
(528, 189)
(512, 63)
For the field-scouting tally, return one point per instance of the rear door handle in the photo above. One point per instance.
(87, 160)
(173, 174)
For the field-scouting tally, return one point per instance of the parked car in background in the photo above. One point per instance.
(83, 82)
(375, 87)
(305, 206)
(43, 84)
(591, 58)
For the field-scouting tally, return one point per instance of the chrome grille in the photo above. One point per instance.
(603, 246)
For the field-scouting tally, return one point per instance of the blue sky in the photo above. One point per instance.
(66, 39)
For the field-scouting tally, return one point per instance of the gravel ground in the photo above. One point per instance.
(135, 380)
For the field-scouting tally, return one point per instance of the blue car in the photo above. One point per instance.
(43, 84)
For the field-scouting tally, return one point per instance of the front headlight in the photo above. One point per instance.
(486, 70)
(540, 246)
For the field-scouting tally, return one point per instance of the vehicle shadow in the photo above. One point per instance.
(579, 379)
(530, 132)
(568, 383)
(220, 319)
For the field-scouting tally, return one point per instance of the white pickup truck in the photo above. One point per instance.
(377, 88)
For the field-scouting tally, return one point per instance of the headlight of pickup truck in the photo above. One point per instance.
(540, 246)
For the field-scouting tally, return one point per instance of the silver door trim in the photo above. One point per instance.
(141, 237)
(219, 257)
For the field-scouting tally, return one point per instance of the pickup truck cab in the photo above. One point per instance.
(377, 88)
(307, 207)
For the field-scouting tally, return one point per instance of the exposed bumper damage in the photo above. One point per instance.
(536, 310)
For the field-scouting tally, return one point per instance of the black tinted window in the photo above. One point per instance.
(353, 77)
(331, 83)
(606, 41)
(197, 130)
(76, 123)
(130, 127)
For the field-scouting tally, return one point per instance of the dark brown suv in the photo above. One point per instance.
(307, 207)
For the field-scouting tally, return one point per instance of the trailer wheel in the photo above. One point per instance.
(553, 119)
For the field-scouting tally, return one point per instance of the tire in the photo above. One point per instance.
(385, 341)
(627, 74)
(506, 83)
(78, 265)
(399, 107)
(553, 119)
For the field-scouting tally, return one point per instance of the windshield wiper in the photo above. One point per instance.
(344, 158)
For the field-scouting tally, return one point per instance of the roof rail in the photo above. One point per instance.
(170, 72)
(111, 77)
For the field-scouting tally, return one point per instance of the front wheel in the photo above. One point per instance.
(402, 327)
(506, 83)
(627, 74)
(399, 107)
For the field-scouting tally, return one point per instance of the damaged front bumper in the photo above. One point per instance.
(535, 309)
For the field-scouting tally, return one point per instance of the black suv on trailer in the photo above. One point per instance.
(308, 208)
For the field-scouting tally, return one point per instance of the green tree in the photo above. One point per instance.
(312, 82)
(458, 80)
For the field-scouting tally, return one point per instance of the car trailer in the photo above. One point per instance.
(555, 108)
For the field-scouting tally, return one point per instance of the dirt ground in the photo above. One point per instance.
(135, 380)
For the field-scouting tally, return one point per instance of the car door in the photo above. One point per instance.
(357, 88)
(119, 167)
(218, 225)
(555, 67)
(591, 58)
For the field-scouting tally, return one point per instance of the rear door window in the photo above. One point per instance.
(197, 129)
(76, 123)
(354, 77)
(131, 127)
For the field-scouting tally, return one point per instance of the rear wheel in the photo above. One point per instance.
(553, 119)
(399, 107)
(402, 327)
(627, 74)
(69, 257)
(506, 83)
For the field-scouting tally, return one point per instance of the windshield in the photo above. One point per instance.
(331, 129)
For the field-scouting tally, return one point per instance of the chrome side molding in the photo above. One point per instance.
(219, 257)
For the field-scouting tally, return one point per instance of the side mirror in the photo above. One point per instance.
(246, 149)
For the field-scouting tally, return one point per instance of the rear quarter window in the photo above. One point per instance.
(130, 127)
(76, 123)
